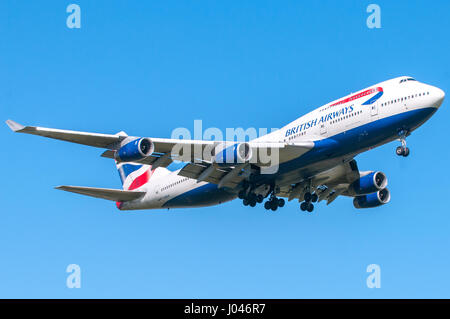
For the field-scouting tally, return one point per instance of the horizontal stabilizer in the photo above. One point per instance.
(85, 138)
(105, 193)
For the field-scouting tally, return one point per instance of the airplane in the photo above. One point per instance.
(314, 156)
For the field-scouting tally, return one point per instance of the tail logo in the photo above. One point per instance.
(134, 176)
(141, 179)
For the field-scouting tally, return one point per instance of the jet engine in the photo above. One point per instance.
(135, 150)
(368, 184)
(372, 200)
(236, 154)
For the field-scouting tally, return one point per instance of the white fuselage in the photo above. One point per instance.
(376, 111)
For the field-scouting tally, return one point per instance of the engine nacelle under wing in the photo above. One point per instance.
(135, 150)
(368, 184)
(372, 200)
(232, 155)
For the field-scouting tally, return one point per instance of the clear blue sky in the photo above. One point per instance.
(147, 68)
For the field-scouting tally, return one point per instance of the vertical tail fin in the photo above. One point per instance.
(133, 175)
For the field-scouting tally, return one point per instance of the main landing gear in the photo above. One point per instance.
(402, 150)
(274, 202)
(308, 205)
(250, 199)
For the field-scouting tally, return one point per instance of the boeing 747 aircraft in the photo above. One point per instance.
(311, 158)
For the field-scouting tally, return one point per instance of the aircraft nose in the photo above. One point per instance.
(440, 95)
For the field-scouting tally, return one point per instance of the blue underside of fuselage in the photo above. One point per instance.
(352, 141)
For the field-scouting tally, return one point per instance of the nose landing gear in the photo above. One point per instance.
(402, 150)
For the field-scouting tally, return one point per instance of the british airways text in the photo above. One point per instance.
(324, 118)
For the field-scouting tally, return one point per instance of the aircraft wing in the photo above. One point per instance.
(108, 141)
(165, 150)
(105, 193)
(200, 152)
(329, 185)
(91, 139)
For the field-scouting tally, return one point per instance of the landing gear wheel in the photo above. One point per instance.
(259, 198)
(245, 202)
(274, 204)
(274, 201)
(252, 203)
(303, 206)
(405, 152)
(267, 205)
(307, 197)
(314, 198)
(402, 150)
(281, 202)
(310, 207)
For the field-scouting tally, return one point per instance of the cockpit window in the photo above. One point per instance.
(407, 79)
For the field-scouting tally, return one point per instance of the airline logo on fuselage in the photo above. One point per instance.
(335, 114)
(379, 91)
(304, 126)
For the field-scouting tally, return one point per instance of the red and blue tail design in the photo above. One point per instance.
(134, 176)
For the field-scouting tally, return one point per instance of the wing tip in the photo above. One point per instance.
(14, 126)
